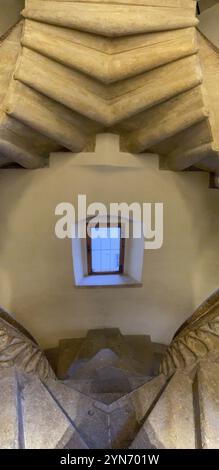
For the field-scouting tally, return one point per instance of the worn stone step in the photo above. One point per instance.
(22, 144)
(116, 421)
(110, 19)
(167, 119)
(207, 393)
(9, 51)
(107, 105)
(9, 410)
(108, 388)
(127, 347)
(195, 136)
(169, 3)
(103, 359)
(127, 413)
(90, 422)
(47, 117)
(45, 425)
(179, 161)
(106, 62)
(68, 350)
(102, 339)
(80, 358)
(170, 424)
(106, 398)
(134, 380)
(210, 162)
(209, 62)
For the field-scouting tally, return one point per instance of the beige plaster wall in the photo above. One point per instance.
(9, 13)
(204, 4)
(36, 275)
(209, 21)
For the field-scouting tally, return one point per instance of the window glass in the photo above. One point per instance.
(105, 249)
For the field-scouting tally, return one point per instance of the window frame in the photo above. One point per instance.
(89, 250)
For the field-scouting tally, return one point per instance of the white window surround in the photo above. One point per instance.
(133, 264)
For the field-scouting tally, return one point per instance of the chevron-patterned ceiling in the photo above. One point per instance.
(75, 68)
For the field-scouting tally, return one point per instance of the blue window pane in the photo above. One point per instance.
(105, 249)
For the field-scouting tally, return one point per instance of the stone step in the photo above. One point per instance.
(9, 410)
(196, 339)
(170, 424)
(106, 398)
(116, 421)
(181, 412)
(45, 425)
(166, 3)
(167, 119)
(90, 422)
(128, 413)
(107, 63)
(85, 388)
(103, 339)
(18, 143)
(45, 116)
(206, 396)
(22, 144)
(79, 358)
(122, 66)
(96, 101)
(91, 369)
(100, 387)
(210, 162)
(195, 136)
(180, 160)
(67, 353)
(9, 51)
(109, 19)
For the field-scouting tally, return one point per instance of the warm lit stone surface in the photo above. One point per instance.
(9, 417)
(179, 412)
(16, 349)
(170, 424)
(45, 425)
(130, 68)
(196, 338)
(208, 390)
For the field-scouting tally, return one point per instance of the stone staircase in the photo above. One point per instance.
(105, 365)
(106, 383)
(73, 69)
(108, 392)
(53, 414)
(198, 337)
(133, 352)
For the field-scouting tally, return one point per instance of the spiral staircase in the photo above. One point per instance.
(71, 69)
(106, 390)
(140, 69)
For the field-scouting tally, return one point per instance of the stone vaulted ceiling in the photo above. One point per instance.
(71, 69)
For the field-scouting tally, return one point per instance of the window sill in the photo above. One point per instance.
(109, 280)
